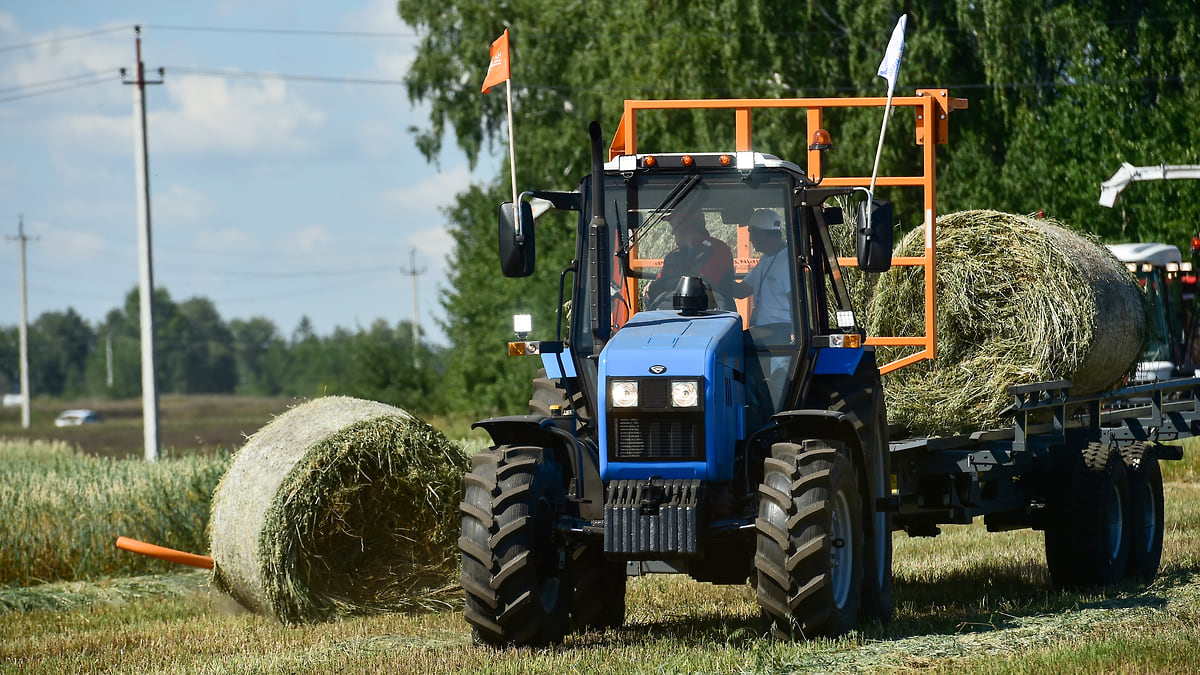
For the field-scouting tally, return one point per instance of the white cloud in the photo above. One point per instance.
(71, 245)
(52, 58)
(180, 205)
(426, 198)
(228, 239)
(435, 244)
(216, 115)
(378, 16)
(310, 239)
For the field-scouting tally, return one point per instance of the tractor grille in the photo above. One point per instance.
(676, 437)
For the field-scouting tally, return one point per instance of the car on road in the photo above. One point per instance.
(71, 418)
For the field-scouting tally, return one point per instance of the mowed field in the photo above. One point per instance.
(193, 424)
(967, 601)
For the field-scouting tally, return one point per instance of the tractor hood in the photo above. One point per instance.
(649, 432)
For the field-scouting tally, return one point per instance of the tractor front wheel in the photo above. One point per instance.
(810, 540)
(513, 562)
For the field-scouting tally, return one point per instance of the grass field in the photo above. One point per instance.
(967, 601)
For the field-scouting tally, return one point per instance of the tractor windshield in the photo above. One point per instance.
(718, 226)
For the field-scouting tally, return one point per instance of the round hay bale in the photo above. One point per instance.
(338, 506)
(1020, 300)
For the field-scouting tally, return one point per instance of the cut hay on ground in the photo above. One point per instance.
(339, 506)
(1020, 300)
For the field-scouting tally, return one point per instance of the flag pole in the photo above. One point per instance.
(887, 110)
(889, 69)
(512, 155)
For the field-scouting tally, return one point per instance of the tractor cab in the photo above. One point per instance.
(1170, 287)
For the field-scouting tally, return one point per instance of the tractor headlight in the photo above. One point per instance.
(624, 393)
(684, 393)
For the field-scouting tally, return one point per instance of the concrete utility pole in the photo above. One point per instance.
(416, 320)
(24, 326)
(146, 267)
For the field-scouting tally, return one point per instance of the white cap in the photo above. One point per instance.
(765, 219)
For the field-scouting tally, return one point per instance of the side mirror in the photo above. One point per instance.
(874, 236)
(516, 241)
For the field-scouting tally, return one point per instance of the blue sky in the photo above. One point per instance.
(271, 195)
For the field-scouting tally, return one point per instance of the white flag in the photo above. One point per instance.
(891, 58)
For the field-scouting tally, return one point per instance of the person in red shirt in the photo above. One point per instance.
(697, 253)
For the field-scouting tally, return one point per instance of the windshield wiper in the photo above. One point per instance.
(669, 202)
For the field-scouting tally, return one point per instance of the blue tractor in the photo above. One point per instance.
(689, 430)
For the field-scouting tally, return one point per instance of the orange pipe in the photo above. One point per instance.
(164, 553)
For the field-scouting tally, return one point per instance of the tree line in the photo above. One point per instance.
(198, 352)
(1060, 93)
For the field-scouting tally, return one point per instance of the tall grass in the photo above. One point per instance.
(62, 511)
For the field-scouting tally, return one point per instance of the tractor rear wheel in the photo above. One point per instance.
(1088, 535)
(513, 562)
(549, 394)
(1146, 507)
(810, 542)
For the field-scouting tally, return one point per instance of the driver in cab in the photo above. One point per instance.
(697, 253)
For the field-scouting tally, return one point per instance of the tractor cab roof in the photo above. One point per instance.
(1158, 255)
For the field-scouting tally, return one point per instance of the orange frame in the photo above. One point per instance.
(933, 108)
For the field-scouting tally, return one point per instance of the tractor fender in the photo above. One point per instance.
(814, 423)
(580, 460)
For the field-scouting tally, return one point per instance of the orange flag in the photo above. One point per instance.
(498, 70)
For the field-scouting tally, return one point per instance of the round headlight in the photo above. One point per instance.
(624, 393)
(684, 394)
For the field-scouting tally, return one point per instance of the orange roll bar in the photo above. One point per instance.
(932, 109)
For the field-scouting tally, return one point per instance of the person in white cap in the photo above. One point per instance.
(770, 280)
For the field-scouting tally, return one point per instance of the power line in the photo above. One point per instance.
(65, 38)
(724, 34)
(282, 31)
(47, 83)
(228, 72)
(55, 90)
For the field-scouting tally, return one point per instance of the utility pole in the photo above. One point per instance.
(108, 359)
(24, 325)
(146, 267)
(416, 320)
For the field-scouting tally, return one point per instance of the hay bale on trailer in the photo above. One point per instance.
(1020, 299)
(338, 506)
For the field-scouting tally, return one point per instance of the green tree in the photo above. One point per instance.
(1060, 93)
(59, 344)
(10, 360)
(197, 349)
(383, 368)
(260, 356)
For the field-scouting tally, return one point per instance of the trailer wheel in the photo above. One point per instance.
(1087, 538)
(1146, 501)
(512, 561)
(810, 543)
(598, 600)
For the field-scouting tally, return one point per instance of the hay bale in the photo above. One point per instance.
(1020, 300)
(338, 506)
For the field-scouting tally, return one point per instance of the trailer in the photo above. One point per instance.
(1082, 469)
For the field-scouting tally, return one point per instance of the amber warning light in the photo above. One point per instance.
(821, 140)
